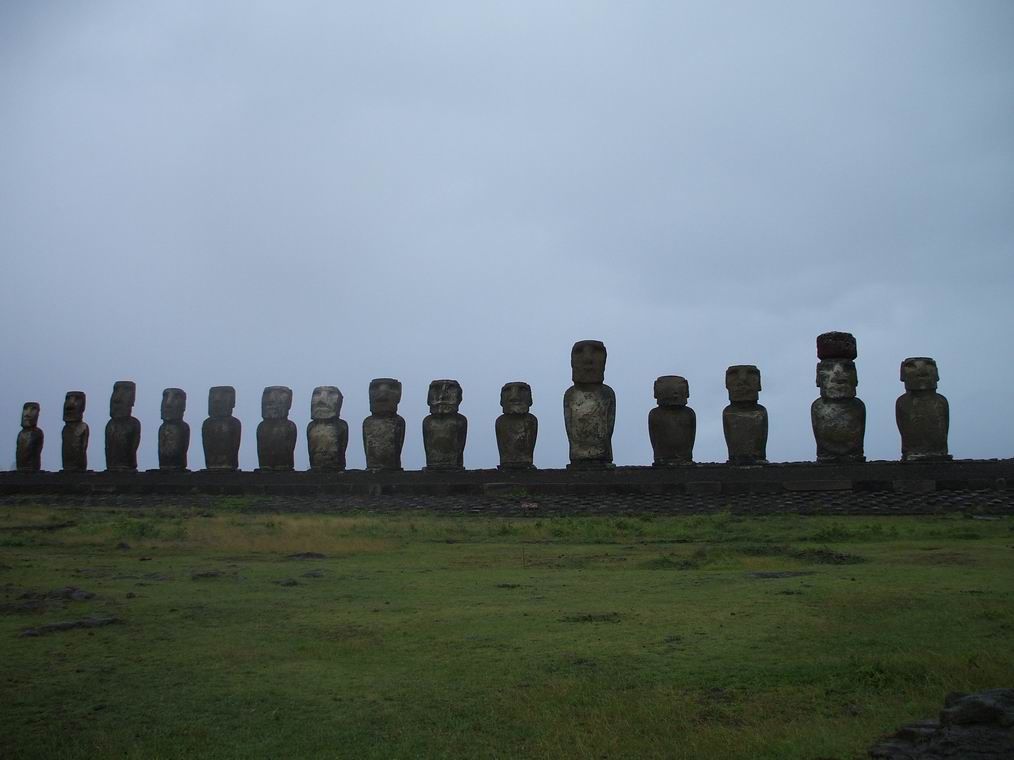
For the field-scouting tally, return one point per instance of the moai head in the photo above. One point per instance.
(444, 396)
(672, 390)
(836, 345)
(837, 378)
(74, 406)
(325, 403)
(30, 415)
(221, 401)
(516, 398)
(121, 402)
(385, 395)
(588, 361)
(743, 381)
(919, 373)
(276, 402)
(174, 404)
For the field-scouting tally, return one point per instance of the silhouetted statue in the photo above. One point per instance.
(923, 415)
(589, 407)
(276, 434)
(672, 425)
(327, 435)
(384, 429)
(28, 456)
(744, 421)
(123, 431)
(221, 432)
(444, 429)
(75, 433)
(838, 417)
(516, 428)
(174, 433)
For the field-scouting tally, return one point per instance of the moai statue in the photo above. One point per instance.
(516, 428)
(123, 431)
(744, 420)
(75, 433)
(589, 408)
(276, 434)
(174, 433)
(384, 429)
(672, 425)
(30, 439)
(444, 429)
(221, 432)
(327, 435)
(923, 414)
(838, 417)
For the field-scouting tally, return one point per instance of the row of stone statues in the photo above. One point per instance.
(589, 408)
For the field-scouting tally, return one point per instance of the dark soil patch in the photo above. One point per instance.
(306, 555)
(780, 574)
(68, 625)
(601, 617)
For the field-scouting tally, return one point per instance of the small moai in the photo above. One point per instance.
(672, 425)
(517, 428)
(174, 433)
(327, 435)
(28, 454)
(276, 434)
(123, 431)
(384, 429)
(75, 433)
(444, 428)
(589, 408)
(744, 421)
(838, 417)
(923, 415)
(221, 432)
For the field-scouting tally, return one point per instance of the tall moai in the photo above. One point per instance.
(444, 428)
(75, 433)
(589, 408)
(745, 421)
(517, 428)
(276, 434)
(221, 432)
(384, 429)
(123, 431)
(923, 415)
(327, 435)
(28, 454)
(174, 433)
(672, 425)
(838, 417)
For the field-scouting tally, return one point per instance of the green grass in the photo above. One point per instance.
(426, 636)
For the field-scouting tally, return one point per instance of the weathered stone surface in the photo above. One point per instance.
(327, 435)
(444, 429)
(923, 415)
(589, 407)
(971, 726)
(836, 345)
(744, 421)
(123, 431)
(516, 429)
(276, 434)
(174, 433)
(28, 454)
(838, 417)
(221, 432)
(672, 425)
(75, 433)
(384, 429)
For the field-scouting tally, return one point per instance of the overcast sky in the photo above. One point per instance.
(319, 193)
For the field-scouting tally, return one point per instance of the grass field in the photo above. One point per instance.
(417, 635)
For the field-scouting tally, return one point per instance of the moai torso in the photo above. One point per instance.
(221, 432)
(589, 407)
(75, 433)
(28, 456)
(444, 429)
(384, 429)
(327, 435)
(516, 429)
(923, 415)
(174, 433)
(276, 434)
(744, 421)
(123, 431)
(838, 417)
(672, 425)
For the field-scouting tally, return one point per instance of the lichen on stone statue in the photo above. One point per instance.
(28, 454)
(221, 432)
(672, 425)
(744, 421)
(589, 408)
(838, 417)
(444, 428)
(276, 433)
(327, 435)
(922, 414)
(384, 429)
(74, 452)
(517, 428)
(174, 433)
